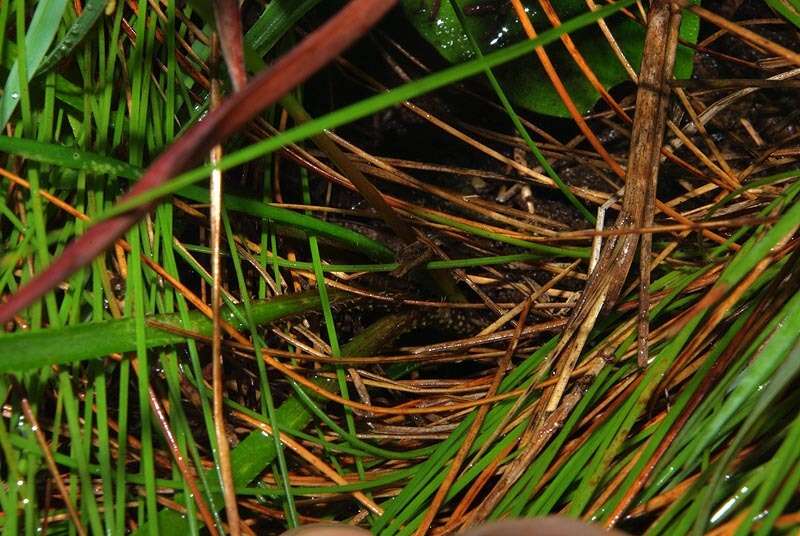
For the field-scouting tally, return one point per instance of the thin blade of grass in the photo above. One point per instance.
(55, 346)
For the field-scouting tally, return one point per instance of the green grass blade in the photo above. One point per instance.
(34, 349)
(277, 18)
(41, 32)
(74, 36)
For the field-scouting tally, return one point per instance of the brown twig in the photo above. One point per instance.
(745, 34)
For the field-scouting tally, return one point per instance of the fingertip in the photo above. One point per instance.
(326, 529)
(541, 526)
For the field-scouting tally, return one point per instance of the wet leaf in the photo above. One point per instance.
(495, 25)
(77, 32)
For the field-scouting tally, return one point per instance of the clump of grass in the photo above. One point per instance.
(413, 341)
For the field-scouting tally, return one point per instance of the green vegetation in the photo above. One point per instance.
(422, 377)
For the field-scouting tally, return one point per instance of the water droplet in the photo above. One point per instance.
(15, 95)
(76, 156)
(761, 516)
(723, 510)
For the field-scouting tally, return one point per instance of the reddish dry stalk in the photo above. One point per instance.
(310, 55)
(229, 27)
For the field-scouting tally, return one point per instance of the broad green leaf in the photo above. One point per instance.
(495, 25)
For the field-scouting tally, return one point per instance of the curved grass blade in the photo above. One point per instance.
(74, 36)
(35, 349)
(274, 22)
(41, 33)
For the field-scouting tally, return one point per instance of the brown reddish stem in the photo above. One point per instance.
(229, 28)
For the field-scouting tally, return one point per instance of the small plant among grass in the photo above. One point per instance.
(414, 268)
